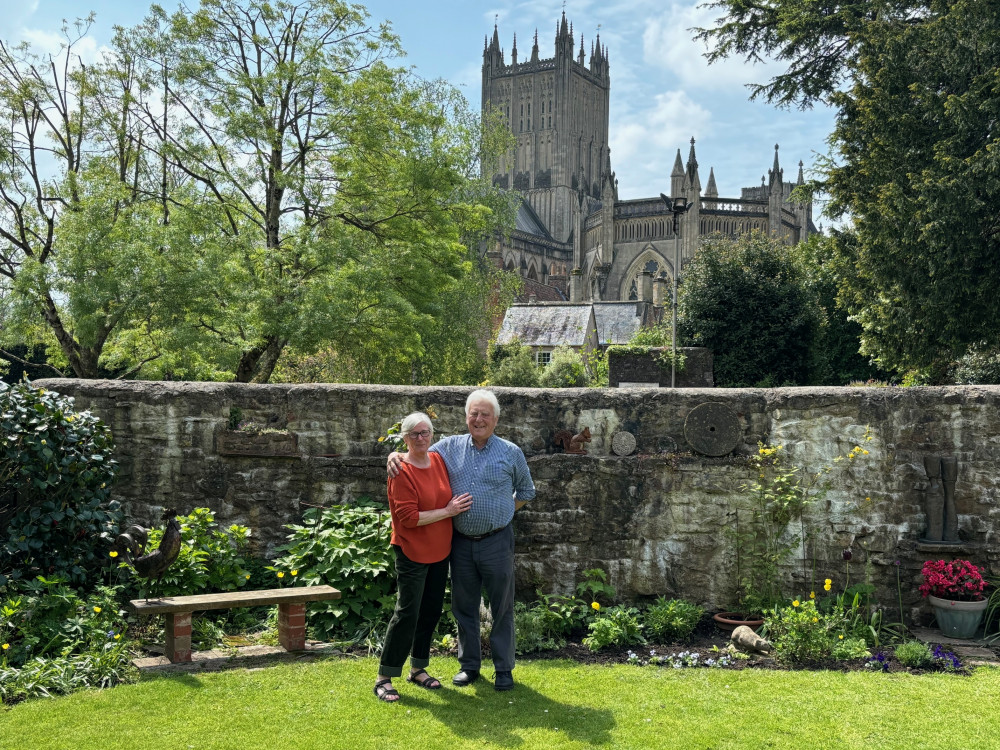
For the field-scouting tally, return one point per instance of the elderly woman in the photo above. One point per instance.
(422, 507)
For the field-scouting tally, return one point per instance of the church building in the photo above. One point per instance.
(574, 238)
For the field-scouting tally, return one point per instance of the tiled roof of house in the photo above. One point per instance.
(542, 292)
(546, 325)
(617, 321)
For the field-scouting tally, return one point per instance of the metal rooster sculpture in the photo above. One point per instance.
(154, 564)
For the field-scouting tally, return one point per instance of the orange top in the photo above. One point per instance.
(414, 490)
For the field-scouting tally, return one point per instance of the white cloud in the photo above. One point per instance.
(644, 141)
(668, 44)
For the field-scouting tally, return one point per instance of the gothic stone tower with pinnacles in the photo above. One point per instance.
(572, 232)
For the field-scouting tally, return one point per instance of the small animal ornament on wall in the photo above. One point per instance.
(571, 443)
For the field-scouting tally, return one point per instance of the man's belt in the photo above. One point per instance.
(479, 537)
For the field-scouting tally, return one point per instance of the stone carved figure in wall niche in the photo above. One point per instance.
(571, 443)
(939, 499)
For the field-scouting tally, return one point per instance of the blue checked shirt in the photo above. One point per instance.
(493, 476)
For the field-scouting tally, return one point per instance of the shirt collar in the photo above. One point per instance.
(490, 441)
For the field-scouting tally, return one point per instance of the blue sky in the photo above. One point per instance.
(662, 90)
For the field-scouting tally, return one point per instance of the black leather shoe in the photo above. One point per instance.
(465, 677)
(503, 681)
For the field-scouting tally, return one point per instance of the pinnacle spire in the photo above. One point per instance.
(678, 165)
(711, 191)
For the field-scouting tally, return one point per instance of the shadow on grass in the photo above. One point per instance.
(481, 713)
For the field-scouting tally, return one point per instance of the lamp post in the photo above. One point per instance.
(677, 207)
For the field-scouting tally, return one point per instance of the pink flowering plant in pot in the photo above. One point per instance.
(957, 580)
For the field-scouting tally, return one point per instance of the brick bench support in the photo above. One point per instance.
(177, 612)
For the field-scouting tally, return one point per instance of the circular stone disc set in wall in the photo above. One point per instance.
(712, 429)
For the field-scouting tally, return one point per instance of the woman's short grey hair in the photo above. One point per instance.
(412, 420)
(483, 395)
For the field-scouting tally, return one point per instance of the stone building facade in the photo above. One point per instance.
(573, 233)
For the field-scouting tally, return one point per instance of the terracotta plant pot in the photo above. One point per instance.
(729, 621)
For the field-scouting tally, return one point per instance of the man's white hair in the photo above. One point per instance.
(412, 420)
(483, 395)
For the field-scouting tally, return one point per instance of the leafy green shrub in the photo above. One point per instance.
(980, 365)
(672, 619)
(914, 654)
(346, 547)
(210, 559)
(564, 370)
(746, 298)
(798, 633)
(850, 648)
(511, 365)
(618, 626)
(56, 473)
(102, 666)
(50, 618)
(533, 629)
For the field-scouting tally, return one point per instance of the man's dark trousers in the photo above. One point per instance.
(487, 564)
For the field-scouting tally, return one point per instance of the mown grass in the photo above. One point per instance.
(556, 704)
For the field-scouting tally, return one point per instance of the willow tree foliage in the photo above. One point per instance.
(915, 156)
(291, 191)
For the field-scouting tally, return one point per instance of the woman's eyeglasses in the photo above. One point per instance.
(419, 435)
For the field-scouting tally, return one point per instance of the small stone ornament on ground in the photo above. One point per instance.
(746, 640)
(623, 443)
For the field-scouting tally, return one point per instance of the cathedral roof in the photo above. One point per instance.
(528, 221)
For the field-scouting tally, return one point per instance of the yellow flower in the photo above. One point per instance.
(382, 439)
(865, 452)
(827, 587)
(43, 442)
(596, 606)
(281, 575)
(295, 572)
(70, 418)
(247, 576)
(815, 619)
(5, 646)
(97, 610)
(795, 603)
(118, 636)
(840, 637)
(868, 499)
(812, 594)
(112, 554)
(828, 581)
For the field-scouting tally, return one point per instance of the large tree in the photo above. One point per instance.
(347, 189)
(746, 299)
(914, 159)
(81, 247)
(234, 181)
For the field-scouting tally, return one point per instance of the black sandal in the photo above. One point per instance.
(381, 691)
(430, 683)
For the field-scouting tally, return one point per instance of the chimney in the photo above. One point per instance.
(646, 288)
(659, 290)
(576, 285)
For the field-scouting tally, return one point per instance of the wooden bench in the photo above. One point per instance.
(177, 611)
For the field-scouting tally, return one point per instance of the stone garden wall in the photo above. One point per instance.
(656, 520)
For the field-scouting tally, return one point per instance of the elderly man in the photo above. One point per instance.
(495, 473)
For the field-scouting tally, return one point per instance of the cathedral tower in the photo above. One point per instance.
(557, 109)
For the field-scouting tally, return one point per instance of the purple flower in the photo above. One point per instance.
(847, 554)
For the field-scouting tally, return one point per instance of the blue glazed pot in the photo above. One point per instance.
(958, 619)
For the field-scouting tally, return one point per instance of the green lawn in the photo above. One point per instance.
(329, 704)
